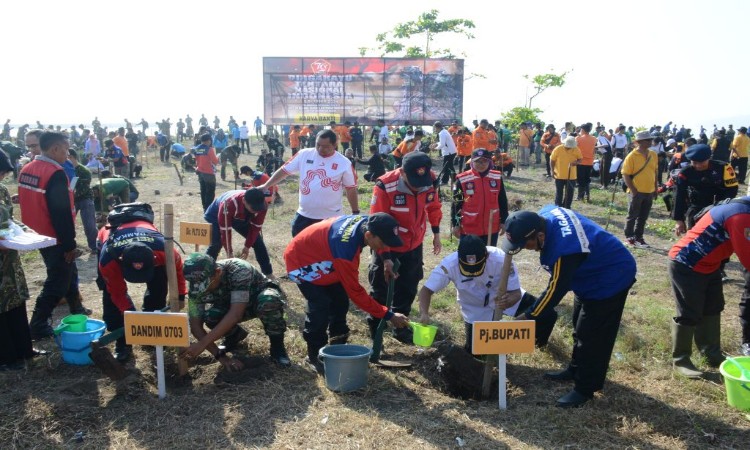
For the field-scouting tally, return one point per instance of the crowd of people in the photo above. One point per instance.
(54, 171)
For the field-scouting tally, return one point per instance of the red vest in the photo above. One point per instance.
(480, 197)
(32, 187)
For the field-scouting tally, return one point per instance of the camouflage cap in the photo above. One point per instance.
(198, 269)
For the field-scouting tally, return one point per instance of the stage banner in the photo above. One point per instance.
(321, 90)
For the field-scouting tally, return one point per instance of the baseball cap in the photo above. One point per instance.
(481, 153)
(198, 270)
(417, 167)
(472, 256)
(519, 227)
(246, 170)
(256, 198)
(385, 227)
(137, 263)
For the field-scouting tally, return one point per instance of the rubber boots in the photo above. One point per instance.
(278, 351)
(372, 324)
(682, 347)
(708, 340)
(236, 335)
(338, 340)
(314, 361)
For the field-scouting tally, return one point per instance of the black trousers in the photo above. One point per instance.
(448, 170)
(604, 175)
(696, 295)
(740, 167)
(154, 299)
(15, 335)
(62, 281)
(357, 148)
(208, 188)
(584, 181)
(564, 193)
(405, 286)
(547, 164)
(325, 314)
(595, 326)
(259, 246)
(301, 222)
(244, 143)
(745, 308)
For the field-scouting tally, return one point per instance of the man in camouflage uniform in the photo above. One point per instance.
(236, 292)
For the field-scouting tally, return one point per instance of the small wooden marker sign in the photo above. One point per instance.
(501, 338)
(198, 233)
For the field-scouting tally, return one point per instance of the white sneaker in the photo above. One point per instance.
(640, 243)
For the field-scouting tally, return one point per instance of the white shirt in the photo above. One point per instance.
(383, 133)
(471, 292)
(244, 132)
(445, 143)
(619, 141)
(322, 182)
(384, 149)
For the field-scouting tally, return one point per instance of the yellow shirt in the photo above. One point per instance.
(741, 145)
(561, 158)
(645, 181)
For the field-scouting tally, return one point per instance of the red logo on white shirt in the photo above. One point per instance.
(325, 181)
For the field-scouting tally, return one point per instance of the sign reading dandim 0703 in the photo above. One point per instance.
(503, 337)
(157, 328)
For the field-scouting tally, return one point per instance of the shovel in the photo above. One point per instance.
(102, 356)
(377, 340)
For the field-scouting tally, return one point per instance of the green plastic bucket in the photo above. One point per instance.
(738, 388)
(423, 334)
(346, 366)
(74, 323)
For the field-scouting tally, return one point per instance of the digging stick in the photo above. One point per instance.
(489, 227)
(501, 290)
(377, 340)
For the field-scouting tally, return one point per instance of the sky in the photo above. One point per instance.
(638, 62)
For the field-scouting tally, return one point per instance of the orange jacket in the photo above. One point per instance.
(478, 195)
(464, 145)
(404, 148)
(294, 138)
(481, 138)
(549, 144)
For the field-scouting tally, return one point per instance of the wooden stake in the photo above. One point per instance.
(178, 172)
(174, 296)
(489, 227)
(501, 290)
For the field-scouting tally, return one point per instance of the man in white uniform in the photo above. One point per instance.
(475, 271)
(324, 176)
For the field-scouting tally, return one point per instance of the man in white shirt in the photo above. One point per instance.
(620, 142)
(244, 137)
(447, 150)
(475, 270)
(324, 176)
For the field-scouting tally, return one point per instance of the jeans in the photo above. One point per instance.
(88, 218)
(207, 183)
(242, 227)
(639, 207)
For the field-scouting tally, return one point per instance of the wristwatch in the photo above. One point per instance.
(222, 352)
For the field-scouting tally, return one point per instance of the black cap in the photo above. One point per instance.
(246, 170)
(205, 137)
(481, 153)
(438, 124)
(256, 198)
(385, 227)
(137, 263)
(417, 167)
(472, 255)
(519, 227)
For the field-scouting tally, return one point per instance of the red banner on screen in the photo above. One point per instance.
(321, 90)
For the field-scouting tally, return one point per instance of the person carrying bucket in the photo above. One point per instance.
(475, 271)
(695, 273)
(323, 260)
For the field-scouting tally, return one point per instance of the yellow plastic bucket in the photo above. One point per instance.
(74, 323)
(737, 385)
(423, 334)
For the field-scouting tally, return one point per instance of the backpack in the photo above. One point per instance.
(726, 201)
(129, 212)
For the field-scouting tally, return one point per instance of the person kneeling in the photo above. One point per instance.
(236, 292)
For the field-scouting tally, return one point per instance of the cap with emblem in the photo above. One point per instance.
(472, 256)
(481, 153)
(519, 227)
(137, 263)
(385, 227)
(416, 166)
(198, 270)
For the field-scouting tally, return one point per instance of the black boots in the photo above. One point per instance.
(567, 374)
(278, 351)
(234, 337)
(123, 352)
(708, 340)
(75, 305)
(314, 361)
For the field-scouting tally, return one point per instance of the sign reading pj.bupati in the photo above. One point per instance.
(321, 90)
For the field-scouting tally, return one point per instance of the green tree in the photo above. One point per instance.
(519, 115)
(424, 28)
(543, 82)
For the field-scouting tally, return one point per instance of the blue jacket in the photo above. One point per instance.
(220, 144)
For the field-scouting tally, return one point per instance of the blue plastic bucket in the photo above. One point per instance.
(76, 346)
(346, 366)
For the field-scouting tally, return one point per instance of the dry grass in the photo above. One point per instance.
(642, 405)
